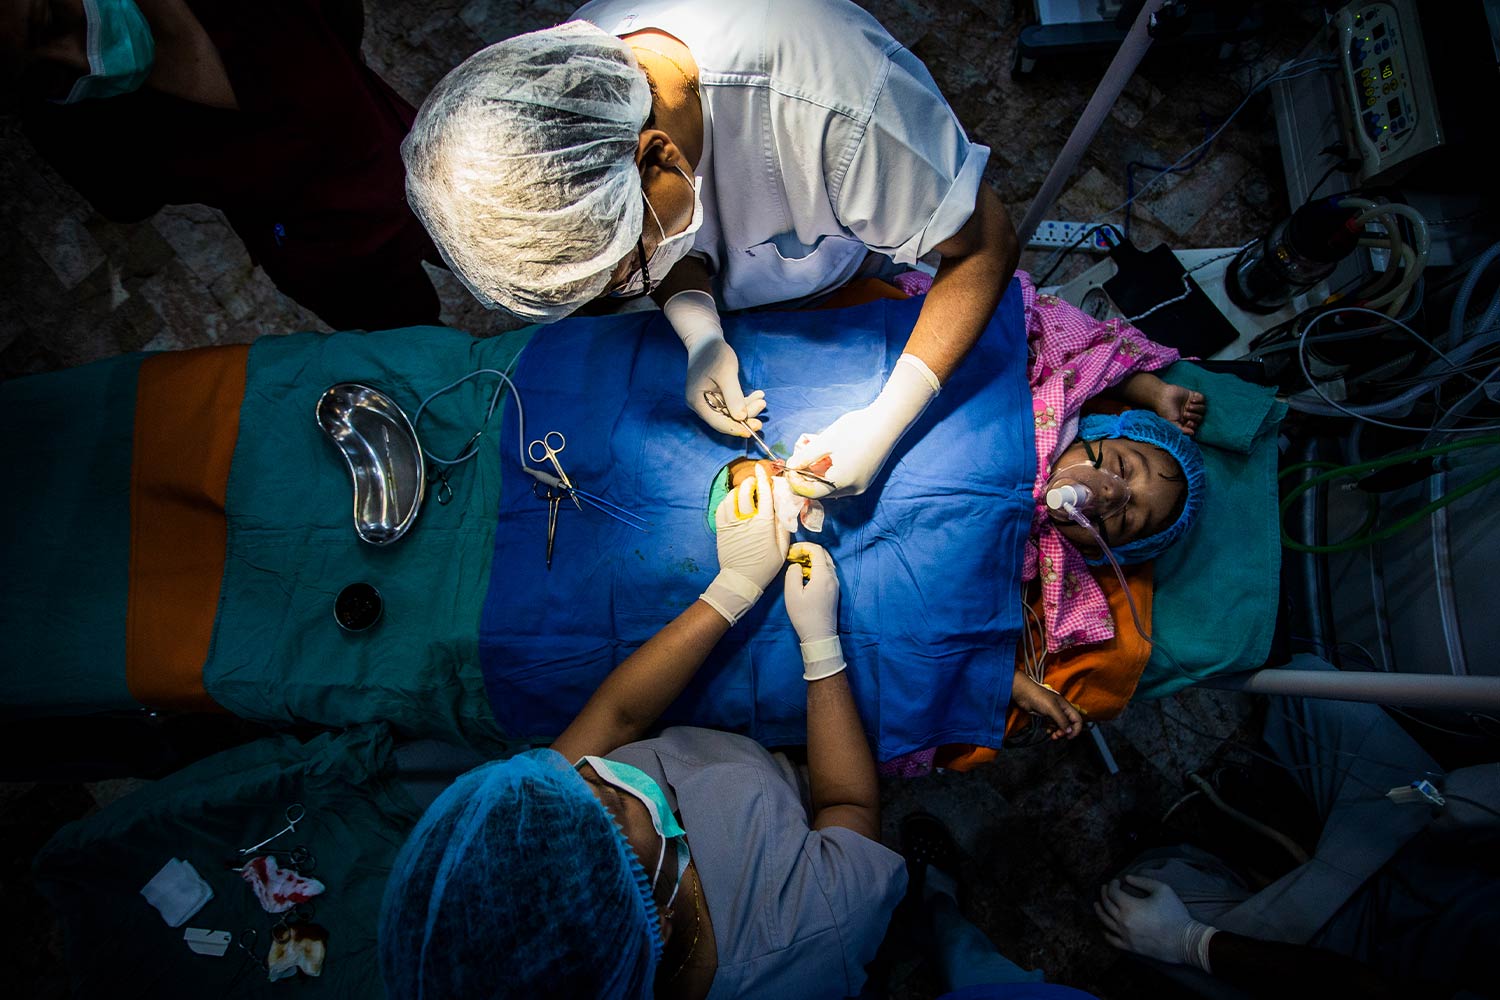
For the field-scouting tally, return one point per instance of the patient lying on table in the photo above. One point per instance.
(1145, 473)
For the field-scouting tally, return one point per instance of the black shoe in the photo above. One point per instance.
(926, 840)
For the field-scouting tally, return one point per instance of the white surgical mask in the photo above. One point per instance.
(671, 249)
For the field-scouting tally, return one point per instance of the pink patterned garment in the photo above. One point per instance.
(1071, 357)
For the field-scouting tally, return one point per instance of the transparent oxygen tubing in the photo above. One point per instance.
(1083, 522)
(472, 448)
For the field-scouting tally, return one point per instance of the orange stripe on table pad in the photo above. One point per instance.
(187, 416)
(1098, 678)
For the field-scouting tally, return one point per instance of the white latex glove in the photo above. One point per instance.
(1156, 925)
(812, 603)
(752, 548)
(860, 441)
(712, 363)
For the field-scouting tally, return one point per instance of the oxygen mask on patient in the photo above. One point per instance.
(1086, 489)
(1087, 494)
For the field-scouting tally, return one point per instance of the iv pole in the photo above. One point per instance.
(1132, 50)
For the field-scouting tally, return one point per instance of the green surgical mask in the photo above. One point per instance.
(120, 51)
(634, 781)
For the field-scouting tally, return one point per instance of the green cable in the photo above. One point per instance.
(1364, 536)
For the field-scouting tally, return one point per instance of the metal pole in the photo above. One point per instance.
(1121, 69)
(1475, 694)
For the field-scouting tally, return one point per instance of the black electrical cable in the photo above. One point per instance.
(1312, 192)
(1062, 254)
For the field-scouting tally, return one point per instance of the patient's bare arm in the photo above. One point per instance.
(1179, 404)
(1027, 694)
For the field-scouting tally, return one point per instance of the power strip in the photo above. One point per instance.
(1052, 234)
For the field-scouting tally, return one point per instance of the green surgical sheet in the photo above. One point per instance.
(65, 548)
(277, 654)
(357, 817)
(1217, 590)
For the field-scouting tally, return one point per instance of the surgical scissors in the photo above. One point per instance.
(245, 941)
(553, 496)
(302, 913)
(715, 399)
(294, 814)
(549, 453)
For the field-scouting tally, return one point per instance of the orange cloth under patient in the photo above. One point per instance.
(187, 419)
(1098, 678)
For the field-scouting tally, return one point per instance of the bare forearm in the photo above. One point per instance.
(977, 266)
(636, 692)
(1271, 968)
(1140, 389)
(689, 274)
(840, 768)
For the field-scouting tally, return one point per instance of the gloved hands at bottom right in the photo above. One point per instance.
(1148, 919)
(812, 603)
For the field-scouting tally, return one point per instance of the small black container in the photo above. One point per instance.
(357, 607)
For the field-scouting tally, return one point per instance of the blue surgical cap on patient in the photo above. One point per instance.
(1147, 428)
(517, 882)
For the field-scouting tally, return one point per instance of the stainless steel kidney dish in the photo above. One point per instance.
(384, 458)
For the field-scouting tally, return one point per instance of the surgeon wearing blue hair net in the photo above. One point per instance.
(691, 863)
(718, 156)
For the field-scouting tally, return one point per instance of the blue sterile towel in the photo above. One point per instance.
(929, 558)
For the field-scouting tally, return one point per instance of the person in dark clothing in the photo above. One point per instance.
(265, 111)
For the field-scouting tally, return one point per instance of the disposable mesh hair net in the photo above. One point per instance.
(1148, 428)
(516, 882)
(521, 164)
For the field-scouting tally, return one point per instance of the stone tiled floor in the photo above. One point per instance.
(1042, 826)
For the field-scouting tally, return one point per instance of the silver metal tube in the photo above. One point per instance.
(1380, 611)
(1442, 572)
(1121, 69)
(1474, 694)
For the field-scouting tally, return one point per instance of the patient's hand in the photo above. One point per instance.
(1027, 694)
(1176, 403)
(1182, 406)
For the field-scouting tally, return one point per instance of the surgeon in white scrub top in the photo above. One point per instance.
(717, 156)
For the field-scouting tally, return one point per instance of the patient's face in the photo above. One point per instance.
(1158, 491)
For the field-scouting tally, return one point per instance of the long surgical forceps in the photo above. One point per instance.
(715, 399)
(548, 453)
(553, 496)
(294, 814)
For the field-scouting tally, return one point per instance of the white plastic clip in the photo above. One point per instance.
(1422, 791)
(214, 943)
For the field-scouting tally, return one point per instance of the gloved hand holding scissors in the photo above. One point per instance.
(712, 364)
(861, 440)
(752, 548)
(811, 588)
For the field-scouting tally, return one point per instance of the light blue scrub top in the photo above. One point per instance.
(796, 912)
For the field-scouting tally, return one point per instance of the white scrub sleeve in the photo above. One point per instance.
(913, 175)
